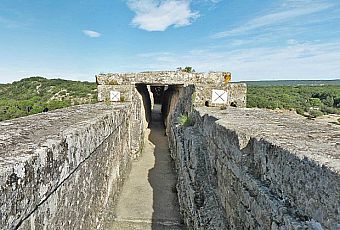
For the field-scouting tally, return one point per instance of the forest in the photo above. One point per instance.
(307, 100)
(37, 94)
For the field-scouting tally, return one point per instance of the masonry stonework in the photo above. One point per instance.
(205, 83)
(255, 169)
(237, 168)
(61, 170)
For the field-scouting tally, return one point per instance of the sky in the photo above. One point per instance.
(252, 39)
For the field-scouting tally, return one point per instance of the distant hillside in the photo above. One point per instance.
(293, 82)
(36, 94)
(309, 100)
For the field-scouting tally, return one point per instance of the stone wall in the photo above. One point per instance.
(255, 169)
(62, 169)
(161, 77)
(205, 83)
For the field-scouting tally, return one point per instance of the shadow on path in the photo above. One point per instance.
(162, 178)
(148, 199)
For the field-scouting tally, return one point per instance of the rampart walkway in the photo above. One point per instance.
(148, 199)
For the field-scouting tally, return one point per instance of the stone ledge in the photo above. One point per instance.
(267, 169)
(161, 77)
(39, 152)
(315, 140)
(281, 163)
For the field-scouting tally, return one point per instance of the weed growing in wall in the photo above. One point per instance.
(107, 101)
(185, 120)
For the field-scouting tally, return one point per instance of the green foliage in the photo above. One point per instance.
(33, 95)
(187, 69)
(315, 113)
(315, 102)
(185, 120)
(324, 99)
(300, 111)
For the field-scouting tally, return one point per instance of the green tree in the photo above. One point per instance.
(316, 102)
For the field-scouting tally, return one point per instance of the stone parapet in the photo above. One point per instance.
(61, 169)
(255, 169)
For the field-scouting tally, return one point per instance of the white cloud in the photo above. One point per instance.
(309, 60)
(92, 34)
(158, 15)
(287, 13)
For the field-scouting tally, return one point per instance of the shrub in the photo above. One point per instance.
(300, 111)
(330, 110)
(315, 102)
(315, 113)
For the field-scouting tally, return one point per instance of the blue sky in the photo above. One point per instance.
(253, 39)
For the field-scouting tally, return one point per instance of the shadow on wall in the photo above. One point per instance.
(162, 179)
(144, 92)
(158, 93)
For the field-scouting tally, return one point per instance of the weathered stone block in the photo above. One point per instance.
(271, 170)
(205, 83)
(60, 170)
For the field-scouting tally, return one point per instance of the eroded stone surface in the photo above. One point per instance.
(264, 169)
(205, 83)
(312, 139)
(160, 77)
(60, 170)
(237, 168)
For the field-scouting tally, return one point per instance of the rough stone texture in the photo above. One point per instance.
(199, 203)
(126, 92)
(161, 78)
(266, 170)
(204, 82)
(61, 169)
(236, 94)
(139, 124)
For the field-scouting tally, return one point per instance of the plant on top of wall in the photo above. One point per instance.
(187, 69)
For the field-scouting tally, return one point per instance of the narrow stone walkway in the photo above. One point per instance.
(148, 199)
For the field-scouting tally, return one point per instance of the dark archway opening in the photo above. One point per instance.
(162, 100)
(158, 93)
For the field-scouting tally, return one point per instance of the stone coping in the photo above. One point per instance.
(315, 140)
(21, 137)
(161, 77)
